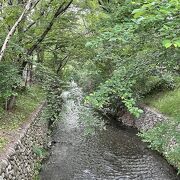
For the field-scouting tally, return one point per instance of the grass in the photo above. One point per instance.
(3, 142)
(26, 103)
(168, 102)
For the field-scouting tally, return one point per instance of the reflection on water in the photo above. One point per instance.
(111, 154)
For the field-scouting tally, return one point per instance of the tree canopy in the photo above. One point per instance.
(110, 47)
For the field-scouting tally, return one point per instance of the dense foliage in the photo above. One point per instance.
(134, 46)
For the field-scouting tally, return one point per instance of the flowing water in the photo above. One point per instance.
(112, 154)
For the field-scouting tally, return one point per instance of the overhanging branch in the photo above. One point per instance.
(62, 8)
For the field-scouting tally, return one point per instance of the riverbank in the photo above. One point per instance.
(165, 136)
(11, 121)
(159, 125)
(23, 134)
(21, 155)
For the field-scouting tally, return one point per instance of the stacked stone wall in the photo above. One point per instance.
(20, 159)
(146, 121)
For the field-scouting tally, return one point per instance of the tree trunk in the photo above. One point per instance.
(10, 103)
(40, 55)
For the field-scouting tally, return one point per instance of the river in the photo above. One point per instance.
(114, 153)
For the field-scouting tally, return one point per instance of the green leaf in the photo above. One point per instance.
(138, 12)
(176, 43)
(89, 44)
(167, 43)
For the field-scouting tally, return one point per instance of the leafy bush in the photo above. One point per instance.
(116, 87)
(154, 84)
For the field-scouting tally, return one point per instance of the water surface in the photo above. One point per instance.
(111, 154)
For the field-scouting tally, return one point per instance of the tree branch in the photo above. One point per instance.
(102, 4)
(13, 29)
(61, 65)
(41, 14)
(35, 4)
(59, 11)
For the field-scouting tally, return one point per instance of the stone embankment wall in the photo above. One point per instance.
(20, 159)
(146, 121)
